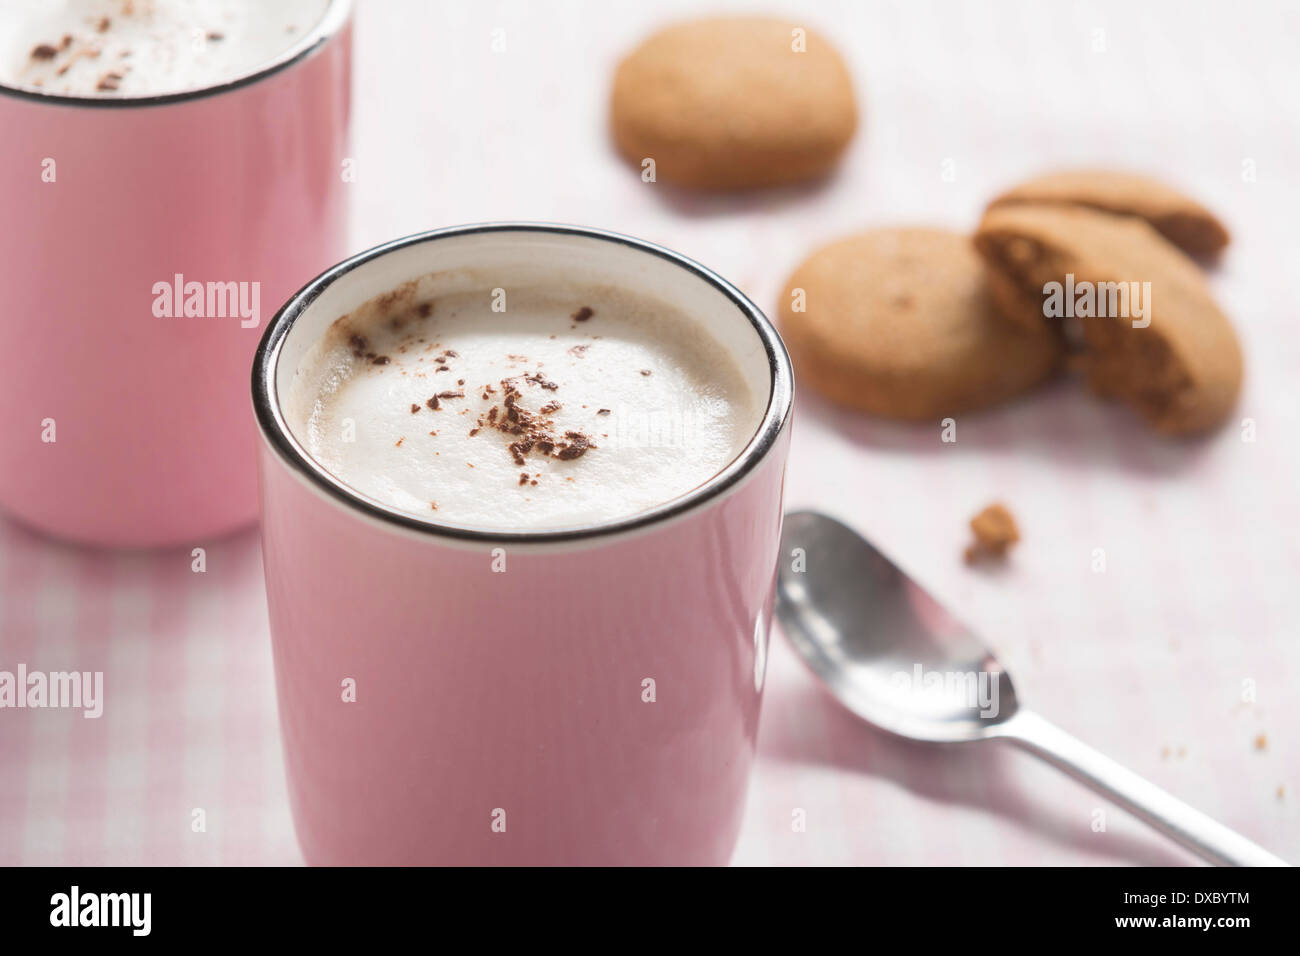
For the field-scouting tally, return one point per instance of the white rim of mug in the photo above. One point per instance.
(332, 21)
(275, 430)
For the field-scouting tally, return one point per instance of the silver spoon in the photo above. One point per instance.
(894, 657)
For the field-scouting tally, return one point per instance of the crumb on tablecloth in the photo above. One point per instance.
(995, 532)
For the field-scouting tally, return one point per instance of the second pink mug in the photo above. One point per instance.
(146, 242)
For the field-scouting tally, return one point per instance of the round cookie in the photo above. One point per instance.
(1180, 219)
(900, 323)
(732, 104)
(1178, 363)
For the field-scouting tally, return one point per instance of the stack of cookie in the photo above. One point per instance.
(1141, 318)
(1092, 267)
(1091, 270)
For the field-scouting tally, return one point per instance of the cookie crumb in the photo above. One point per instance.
(1261, 742)
(995, 532)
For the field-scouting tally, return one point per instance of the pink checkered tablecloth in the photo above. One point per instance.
(1181, 660)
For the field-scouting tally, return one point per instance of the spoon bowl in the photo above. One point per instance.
(880, 643)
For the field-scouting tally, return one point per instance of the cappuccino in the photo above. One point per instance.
(537, 407)
(135, 48)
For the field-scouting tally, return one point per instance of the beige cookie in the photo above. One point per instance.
(734, 103)
(1151, 332)
(1180, 219)
(899, 322)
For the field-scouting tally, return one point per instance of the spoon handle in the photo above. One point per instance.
(1206, 838)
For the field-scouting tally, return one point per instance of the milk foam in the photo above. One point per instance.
(131, 48)
(639, 405)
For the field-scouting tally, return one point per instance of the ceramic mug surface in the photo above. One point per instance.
(148, 242)
(456, 696)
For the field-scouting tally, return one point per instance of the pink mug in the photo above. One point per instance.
(123, 397)
(458, 696)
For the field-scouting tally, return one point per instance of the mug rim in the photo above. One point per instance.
(276, 433)
(336, 15)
